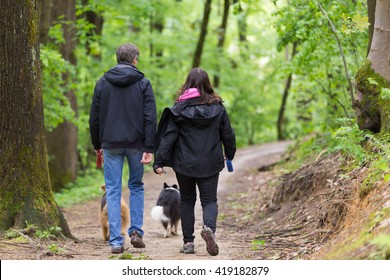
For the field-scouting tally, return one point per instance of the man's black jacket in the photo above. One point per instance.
(123, 111)
(190, 138)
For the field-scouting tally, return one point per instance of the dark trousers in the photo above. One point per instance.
(208, 198)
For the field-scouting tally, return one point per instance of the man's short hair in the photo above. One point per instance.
(127, 53)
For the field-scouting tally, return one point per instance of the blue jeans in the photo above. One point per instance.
(113, 166)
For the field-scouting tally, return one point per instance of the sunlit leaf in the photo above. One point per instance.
(385, 93)
(383, 165)
(372, 81)
(361, 22)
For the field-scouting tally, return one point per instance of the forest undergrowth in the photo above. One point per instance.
(336, 205)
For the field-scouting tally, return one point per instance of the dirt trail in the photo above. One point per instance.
(234, 240)
(231, 243)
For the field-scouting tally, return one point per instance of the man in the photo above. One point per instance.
(123, 124)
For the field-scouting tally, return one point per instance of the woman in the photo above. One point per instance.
(189, 139)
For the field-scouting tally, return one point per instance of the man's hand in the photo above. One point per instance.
(147, 158)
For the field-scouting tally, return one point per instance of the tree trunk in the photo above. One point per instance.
(94, 34)
(380, 46)
(25, 190)
(156, 23)
(280, 123)
(372, 111)
(97, 21)
(221, 39)
(371, 19)
(45, 7)
(62, 141)
(242, 29)
(202, 35)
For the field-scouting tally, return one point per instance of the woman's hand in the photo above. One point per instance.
(159, 171)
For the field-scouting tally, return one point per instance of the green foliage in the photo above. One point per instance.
(319, 85)
(382, 242)
(385, 93)
(127, 256)
(369, 81)
(257, 244)
(42, 234)
(49, 234)
(369, 183)
(55, 69)
(306, 150)
(379, 221)
(378, 150)
(34, 231)
(252, 72)
(349, 139)
(55, 249)
(84, 188)
(360, 149)
(11, 234)
(56, 34)
(356, 23)
(87, 187)
(369, 239)
(252, 67)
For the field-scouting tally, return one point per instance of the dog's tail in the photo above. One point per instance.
(158, 214)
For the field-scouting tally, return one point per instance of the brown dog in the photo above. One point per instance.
(125, 215)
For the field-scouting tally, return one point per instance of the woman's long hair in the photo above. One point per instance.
(198, 78)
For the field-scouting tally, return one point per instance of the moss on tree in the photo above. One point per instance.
(372, 111)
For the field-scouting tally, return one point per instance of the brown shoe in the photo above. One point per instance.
(208, 236)
(136, 240)
(117, 249)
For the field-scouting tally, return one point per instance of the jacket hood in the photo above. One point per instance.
(123, 74)
(188, 94)
(199, 114)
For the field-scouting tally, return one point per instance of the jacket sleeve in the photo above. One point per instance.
(228, 137)
(165, 140)
(94, 116)
(150, 118)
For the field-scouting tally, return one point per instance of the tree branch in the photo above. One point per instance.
(341, 51)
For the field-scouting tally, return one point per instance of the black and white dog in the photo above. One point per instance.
(167, 209)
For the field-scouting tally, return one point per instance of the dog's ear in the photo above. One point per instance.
(175, 186)
(165, 185)
(103, 187)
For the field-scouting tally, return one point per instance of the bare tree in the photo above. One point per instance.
(280, 122)
(25, 191)
(221, 37)
(202, 34)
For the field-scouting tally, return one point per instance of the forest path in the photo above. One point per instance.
(234, 235)
(234, 241)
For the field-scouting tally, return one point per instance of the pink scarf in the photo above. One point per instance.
(189, 93)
